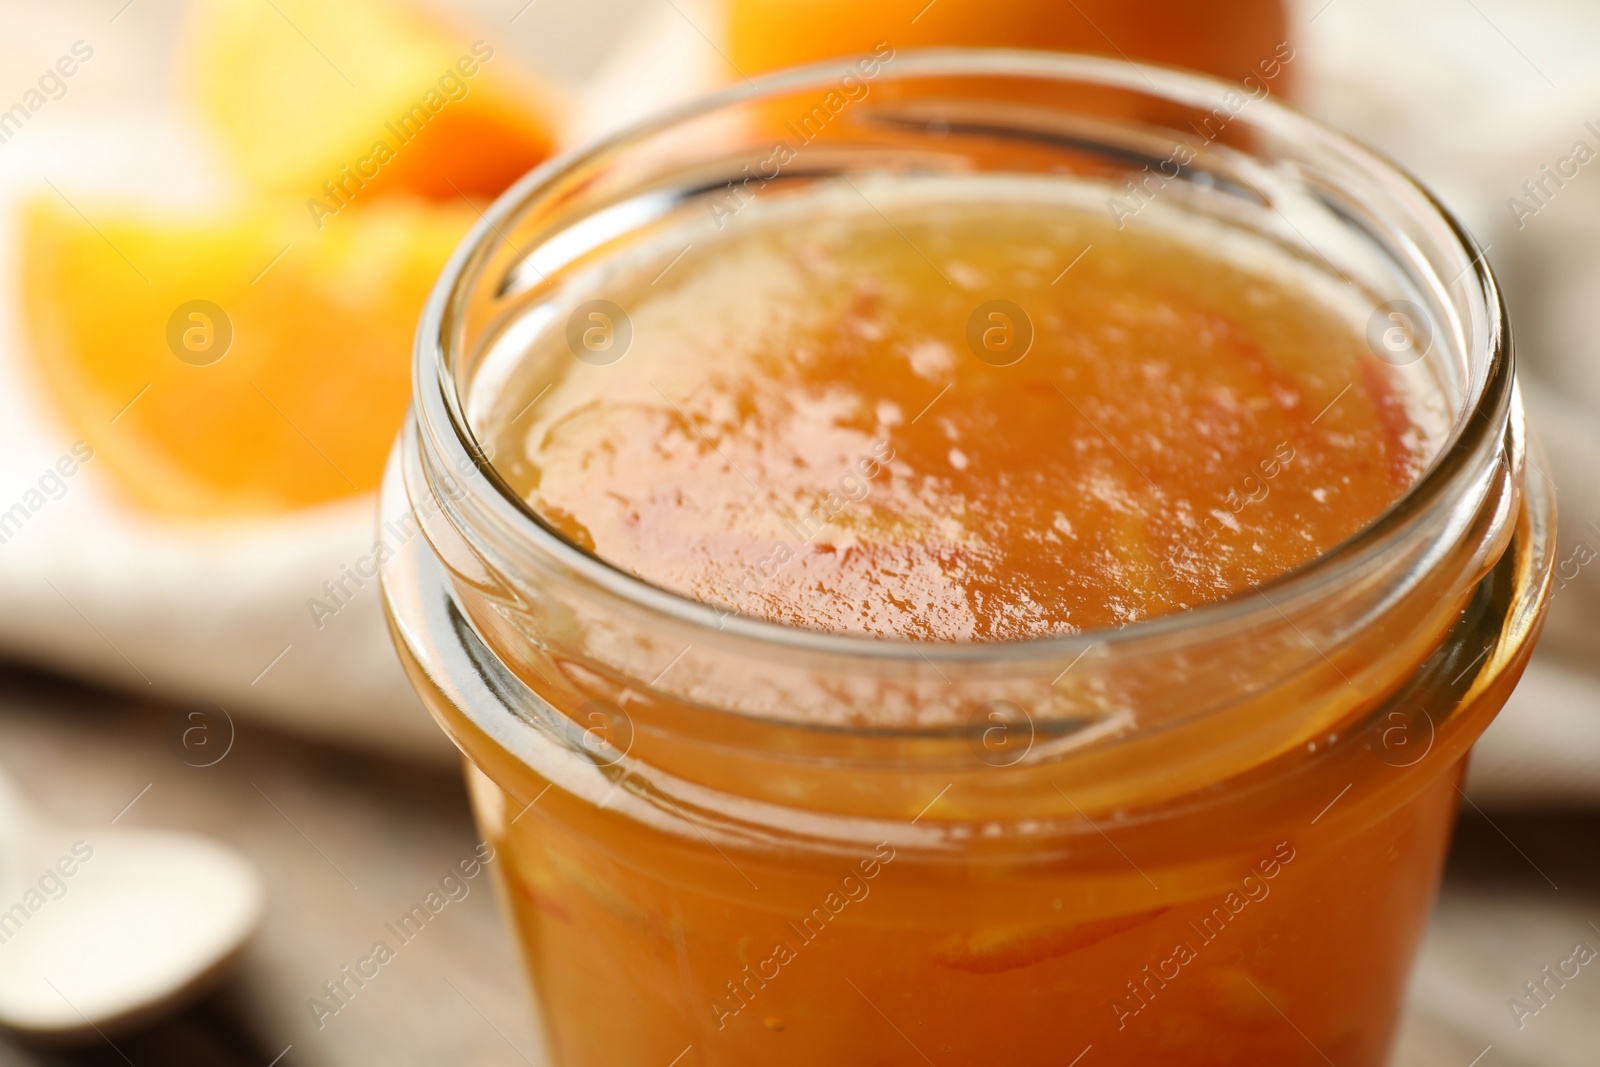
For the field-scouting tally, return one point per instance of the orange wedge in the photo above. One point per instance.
(339, 101)
(233, 366)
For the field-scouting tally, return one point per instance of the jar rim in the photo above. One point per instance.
(1473, 444)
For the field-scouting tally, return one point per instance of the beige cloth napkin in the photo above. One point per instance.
(219, 617)
(211, 616)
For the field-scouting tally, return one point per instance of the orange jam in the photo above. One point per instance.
(1011, 580)
(964, 421)
(971, 413)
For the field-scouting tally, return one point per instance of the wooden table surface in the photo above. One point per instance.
(347, 842)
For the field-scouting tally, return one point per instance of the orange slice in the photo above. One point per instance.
(233, 366)
(339, 101)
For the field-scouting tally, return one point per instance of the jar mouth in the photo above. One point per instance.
(1458, 478)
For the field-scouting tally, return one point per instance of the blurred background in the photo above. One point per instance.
(218, 223)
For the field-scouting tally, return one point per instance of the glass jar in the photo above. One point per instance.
(1211, 837)
(1225, 38)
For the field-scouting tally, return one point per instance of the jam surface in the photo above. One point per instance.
(962, 421)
